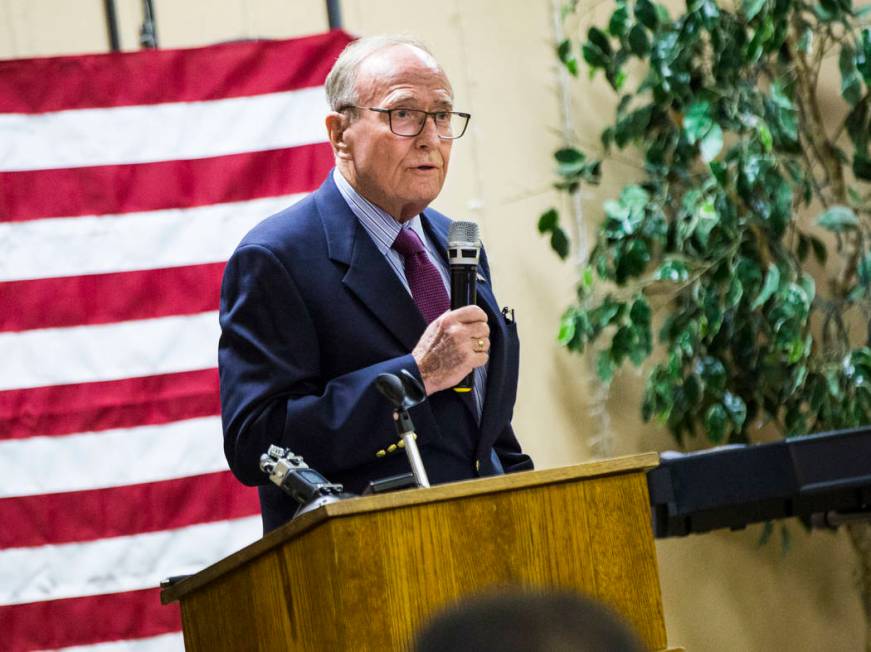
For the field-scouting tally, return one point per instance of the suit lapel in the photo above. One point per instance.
(369, 275)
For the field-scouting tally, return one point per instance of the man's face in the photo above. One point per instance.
(400, 174)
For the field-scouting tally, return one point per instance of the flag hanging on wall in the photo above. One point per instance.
(126, 181)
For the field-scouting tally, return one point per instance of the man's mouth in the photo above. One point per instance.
(425, 167)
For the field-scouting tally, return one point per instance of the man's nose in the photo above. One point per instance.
(430, 133)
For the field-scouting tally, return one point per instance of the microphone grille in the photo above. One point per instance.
(466, 232)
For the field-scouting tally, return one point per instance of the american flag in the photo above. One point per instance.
(126, 181)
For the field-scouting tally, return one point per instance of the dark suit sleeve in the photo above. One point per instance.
(272, 390)
(510, 455)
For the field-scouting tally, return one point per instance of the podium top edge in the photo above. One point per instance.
(444, 492)
(489, 485)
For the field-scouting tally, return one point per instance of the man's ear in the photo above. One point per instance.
(337, 124)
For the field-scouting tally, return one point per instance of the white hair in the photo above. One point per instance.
(341, 85)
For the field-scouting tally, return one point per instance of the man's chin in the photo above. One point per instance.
(415, 204)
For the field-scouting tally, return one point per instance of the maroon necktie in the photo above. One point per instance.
(423, 278)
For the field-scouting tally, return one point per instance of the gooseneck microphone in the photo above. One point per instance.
(464, 247)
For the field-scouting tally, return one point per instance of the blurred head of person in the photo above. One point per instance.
(525, 621)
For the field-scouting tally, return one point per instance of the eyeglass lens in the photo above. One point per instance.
(410, 122)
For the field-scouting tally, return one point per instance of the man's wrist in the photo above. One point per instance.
(424, 377)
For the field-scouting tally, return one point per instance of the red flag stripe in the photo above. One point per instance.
(107, 298)
(79, 516)
(86, 621)
(189, 75)
(116, 189)
(126, 403)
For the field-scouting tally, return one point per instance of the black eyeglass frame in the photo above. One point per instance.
(433, 114)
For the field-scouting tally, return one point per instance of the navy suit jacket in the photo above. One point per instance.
(311, 313)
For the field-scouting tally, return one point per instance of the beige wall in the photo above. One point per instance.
(721, 591)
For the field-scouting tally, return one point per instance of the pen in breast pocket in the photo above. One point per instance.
(508, 314)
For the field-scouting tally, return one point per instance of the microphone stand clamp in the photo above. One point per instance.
(299, 481)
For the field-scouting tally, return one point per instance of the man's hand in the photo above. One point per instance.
(451, 347)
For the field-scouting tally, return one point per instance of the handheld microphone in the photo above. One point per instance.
(464, 247)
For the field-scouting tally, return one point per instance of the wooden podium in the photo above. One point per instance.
(365, 573)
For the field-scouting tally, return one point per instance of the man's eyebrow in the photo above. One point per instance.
(410, 102)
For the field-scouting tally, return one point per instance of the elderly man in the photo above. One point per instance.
(351, 282)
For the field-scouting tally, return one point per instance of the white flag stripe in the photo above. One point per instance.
(59, 247)
(118, 564)
(163, 643)
(82, 354)
(162, 132)
(111, 458)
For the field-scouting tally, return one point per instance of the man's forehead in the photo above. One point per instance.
(398, 70)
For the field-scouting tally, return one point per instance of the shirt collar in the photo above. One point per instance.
(379, 224)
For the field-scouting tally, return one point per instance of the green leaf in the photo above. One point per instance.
(605, 366)
(571, 161)
(751, 7)
(638, 41)
(567, 328)
(599, 39)
(825, 12)
(772, 282)
(715, 423)
(567, 57)
(833, 383)
(736, 408)
(799, 376)
(633, 262)
(548, 221)
(587, 277)
(720, 172)
(605, 314)
(838, 219)
(863, 55)
(780, 96)
(803, 247)
(711, 144)
(662, 16)
(819, 249)
(569, 155)
(692, 388)
(595, 57)
(851, 83)
(559, 242)
(640, 312)
(734, 293)
(697, 121)
(672, 270)
(646, 13)
(634, 197)
(862, 167)
(632, 126)
(712, 372)
(809, 286)
(623, 343)
(764, 136)
(619, 21)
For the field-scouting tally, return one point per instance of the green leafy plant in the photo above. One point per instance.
(745, 244)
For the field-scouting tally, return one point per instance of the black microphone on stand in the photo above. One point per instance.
(464, 247)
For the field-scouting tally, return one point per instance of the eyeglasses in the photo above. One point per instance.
(450, 125)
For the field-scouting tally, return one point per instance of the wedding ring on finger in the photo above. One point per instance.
(479, 345)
